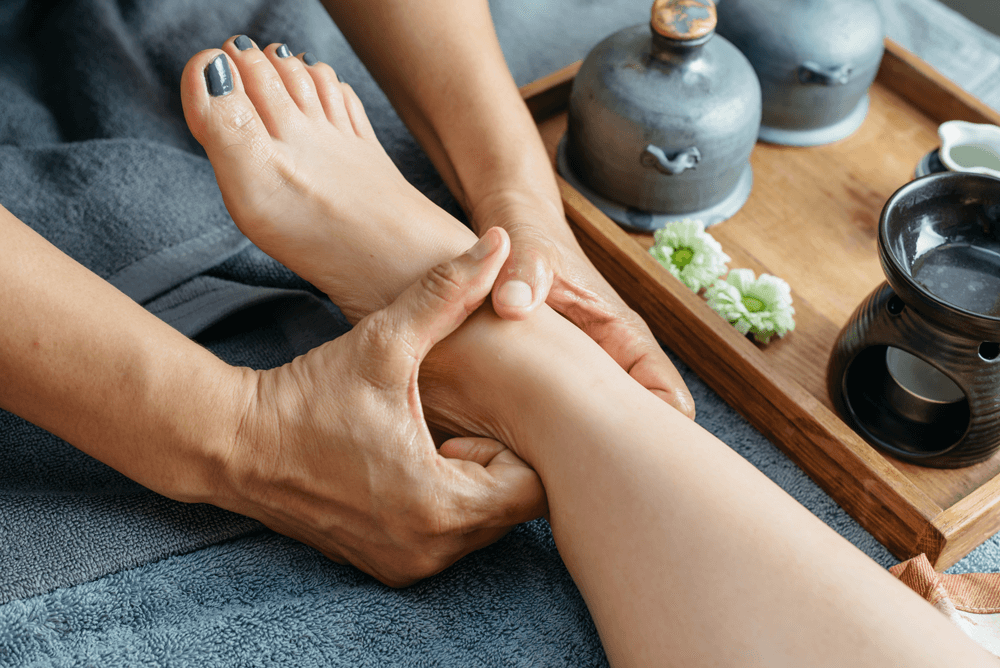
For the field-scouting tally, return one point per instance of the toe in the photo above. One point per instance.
(221, 116)
(331, 94)
(264, 87)
(359, 119)
(297, 81)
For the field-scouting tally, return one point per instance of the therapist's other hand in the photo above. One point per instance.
(334, 450)
(547, 266)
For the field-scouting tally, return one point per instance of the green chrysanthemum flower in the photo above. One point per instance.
(689, 253)
(759, 306)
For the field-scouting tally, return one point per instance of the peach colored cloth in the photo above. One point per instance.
(970, 600)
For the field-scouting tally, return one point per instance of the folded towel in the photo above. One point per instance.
(970, 600)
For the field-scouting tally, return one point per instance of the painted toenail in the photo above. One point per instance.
(218, 77)
(283, 51)
(243, 43)
(309, 59)
(515, 293)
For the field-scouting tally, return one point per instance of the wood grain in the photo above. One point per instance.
(812, 219)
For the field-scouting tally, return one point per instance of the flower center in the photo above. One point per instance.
(682, 257)
(753, 304)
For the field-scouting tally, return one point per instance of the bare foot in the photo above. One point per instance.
(304, 177)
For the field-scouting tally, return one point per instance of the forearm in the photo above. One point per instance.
(441, 66)
(85, 362)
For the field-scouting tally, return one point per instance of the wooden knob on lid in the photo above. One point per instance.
(683, 20)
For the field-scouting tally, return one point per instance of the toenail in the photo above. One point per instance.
(283, 51)
(515, 293)
(242, 42)
(218, 77)
(309, 59)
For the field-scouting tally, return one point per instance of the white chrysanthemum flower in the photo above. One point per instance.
(759, 306)
(689, 253)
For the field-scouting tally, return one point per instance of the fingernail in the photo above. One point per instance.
(243, 43)
(283, 51)
(483, 248)
(309, 59)
(339, 78)
(218, 77)
(515, 293)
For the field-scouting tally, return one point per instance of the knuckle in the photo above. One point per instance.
(424, 566)
(376, 333)
(240, 119)
(396, 577)
(327, 71)
(443, 282)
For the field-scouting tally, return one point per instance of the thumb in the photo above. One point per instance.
(434, 307)
(524, 281)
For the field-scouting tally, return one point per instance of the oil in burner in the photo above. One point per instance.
(961, 274)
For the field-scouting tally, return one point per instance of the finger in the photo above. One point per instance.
(632, 345)
(524, 282)
(501, 489)
(477, 450)
(432, 308)
(622, 334)
(653, 370)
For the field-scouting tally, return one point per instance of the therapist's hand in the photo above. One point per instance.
(547, 266)
(334, 450)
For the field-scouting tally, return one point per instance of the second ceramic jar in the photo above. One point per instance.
(815, 60)
(662, 120)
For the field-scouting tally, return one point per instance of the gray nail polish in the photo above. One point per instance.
(242, 42)
(219, 77)
(309, 59)
(340, 78)
(283, 51)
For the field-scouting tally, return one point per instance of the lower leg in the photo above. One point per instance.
(685, 553)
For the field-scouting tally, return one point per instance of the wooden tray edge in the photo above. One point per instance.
(904, 73)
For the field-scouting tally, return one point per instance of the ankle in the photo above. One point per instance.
(521, 383)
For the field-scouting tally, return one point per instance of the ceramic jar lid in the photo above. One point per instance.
(683, 20)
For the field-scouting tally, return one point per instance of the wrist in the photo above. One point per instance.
(227, 458)
(207, 470)
(518, 205)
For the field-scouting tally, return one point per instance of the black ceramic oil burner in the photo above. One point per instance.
(916, 371)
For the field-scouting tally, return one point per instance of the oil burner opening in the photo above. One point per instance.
(905, 404)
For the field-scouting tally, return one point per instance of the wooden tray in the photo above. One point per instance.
(811, 219)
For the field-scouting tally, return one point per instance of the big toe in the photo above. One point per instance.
(223, 119)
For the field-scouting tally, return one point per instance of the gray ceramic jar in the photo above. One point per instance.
(662, 120)
(815, 59)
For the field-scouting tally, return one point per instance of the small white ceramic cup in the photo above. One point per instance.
(970, 147)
